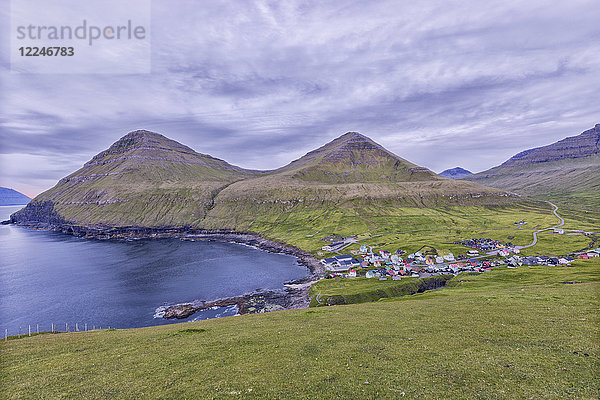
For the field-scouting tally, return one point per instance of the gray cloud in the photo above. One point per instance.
(260, 83)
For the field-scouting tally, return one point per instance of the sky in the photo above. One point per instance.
(260, 83)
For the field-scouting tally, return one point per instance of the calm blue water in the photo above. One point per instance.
(50, 277)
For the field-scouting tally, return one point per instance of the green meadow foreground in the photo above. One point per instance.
(531, 332)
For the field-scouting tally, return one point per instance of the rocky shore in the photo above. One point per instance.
(295, 294)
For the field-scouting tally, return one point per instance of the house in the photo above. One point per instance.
(515, 250)
(530, 261)
(385, 254)
(363, 248)
(352, 273)
(559, 231)
(332, 247)
(593, 254)
(472, 253)
(583, 256)
(439, 260)
(329, 261)
(449, 257)
(372, 274)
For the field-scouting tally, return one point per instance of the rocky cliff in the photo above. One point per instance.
(567, 171)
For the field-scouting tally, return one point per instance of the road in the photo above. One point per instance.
(562, 222)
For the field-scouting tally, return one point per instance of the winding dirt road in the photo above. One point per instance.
(562, 222)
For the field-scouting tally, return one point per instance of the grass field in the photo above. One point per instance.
(508, 334)
(410, 228)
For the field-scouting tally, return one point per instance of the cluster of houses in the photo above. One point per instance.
(589, 254)
(384, 264)
(485, 244)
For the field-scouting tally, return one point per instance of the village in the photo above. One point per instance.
(482, 255)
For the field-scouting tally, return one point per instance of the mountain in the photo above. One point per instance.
(148, 180)
(350, 172)
(143, 179)
(567, 171)
(455, 173)
(10, 197)
(353, 158)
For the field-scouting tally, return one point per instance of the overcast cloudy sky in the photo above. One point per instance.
(259, 83)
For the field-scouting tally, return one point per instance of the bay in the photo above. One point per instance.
(48, 277)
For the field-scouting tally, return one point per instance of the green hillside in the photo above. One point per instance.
(147, 180)
(354, 158)
(143, 179)
(566, 172)
(507, 334)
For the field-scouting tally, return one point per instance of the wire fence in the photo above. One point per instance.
(33, 330)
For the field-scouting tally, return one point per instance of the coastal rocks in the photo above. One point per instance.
(179, 311)
(38, 212)
(253, 303)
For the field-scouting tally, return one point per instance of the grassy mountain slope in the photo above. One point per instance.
(143, 179)
(351, 172)
(354, 158)
(567, 172)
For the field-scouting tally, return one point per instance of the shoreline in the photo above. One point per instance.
(295, 294)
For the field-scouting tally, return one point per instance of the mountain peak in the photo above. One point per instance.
(354, 157)
(142, 134)
(583, 145)
(10, 197)
(455, 173)
(355, 136)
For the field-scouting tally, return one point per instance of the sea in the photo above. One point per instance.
(53, 278)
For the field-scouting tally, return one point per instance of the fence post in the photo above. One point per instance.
(76, 326)
(29, 330)
(66, 327)
(19, 332)
(6, 334)
(38, 328)
(53, 327)
(85, 327)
